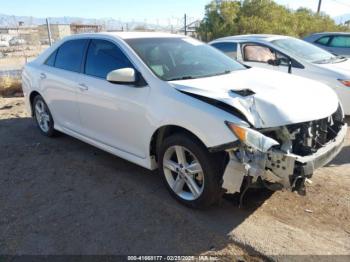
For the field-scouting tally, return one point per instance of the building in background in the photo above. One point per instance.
(58, 31)
(85, 28)
(21, 34)
(191, 29)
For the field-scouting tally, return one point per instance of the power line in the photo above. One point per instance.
(319, 6)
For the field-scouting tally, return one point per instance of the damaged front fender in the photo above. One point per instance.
(276, 166)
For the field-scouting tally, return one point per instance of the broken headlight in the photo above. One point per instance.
(252, 137)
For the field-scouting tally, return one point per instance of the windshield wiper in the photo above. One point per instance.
(340, 59)
(219, 74)
(181, 78)
(331, 60)
(194, 77)
(324, 61)
(224, 73)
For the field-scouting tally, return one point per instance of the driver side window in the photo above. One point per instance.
(282, 59)
(103, 57)
(258, 53)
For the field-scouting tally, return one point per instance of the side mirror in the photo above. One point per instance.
(122, 76)
(280, 61)
(274, 62)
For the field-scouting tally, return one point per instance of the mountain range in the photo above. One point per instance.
(108, 23)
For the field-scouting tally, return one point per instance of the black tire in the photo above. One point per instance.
(50, 132)
(212, 166)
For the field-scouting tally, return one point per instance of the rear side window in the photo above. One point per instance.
(103, 57)
(340, 41)
(70, 55)
(230, 49)
(51, 60)
(323, 40)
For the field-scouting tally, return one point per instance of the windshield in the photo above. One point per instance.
(304, 50)
(182, 58)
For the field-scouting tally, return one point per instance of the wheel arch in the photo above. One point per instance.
(32, 96)
(165, 131)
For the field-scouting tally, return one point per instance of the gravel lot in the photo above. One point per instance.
(62, 196)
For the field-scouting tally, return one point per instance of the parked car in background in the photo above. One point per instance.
(174, 103)
(4, 44)
(291, 55)
(336, 43)
(15, 41)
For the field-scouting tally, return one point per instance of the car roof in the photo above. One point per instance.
(330, 33)
(316, 36)
(255, 37)
(128, 35)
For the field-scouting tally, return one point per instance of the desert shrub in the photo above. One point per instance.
(10, 86)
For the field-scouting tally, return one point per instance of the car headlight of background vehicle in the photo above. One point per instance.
(252, 137)
(345, 82)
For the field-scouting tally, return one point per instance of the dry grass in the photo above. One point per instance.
(12, 62)
(10, 87)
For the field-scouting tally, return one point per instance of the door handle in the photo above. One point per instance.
(42, 76)
(83, 87)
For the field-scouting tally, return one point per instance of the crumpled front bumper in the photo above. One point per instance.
(324, 155)
(276, 166)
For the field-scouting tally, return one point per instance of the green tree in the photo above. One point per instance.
(261, 16)
(307, 22)
(219, 20)
(264, 16)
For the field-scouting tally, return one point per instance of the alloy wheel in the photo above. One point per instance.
(183, 172)
(42, 116)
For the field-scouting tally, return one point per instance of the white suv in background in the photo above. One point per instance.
(288, 54)
(170, 102)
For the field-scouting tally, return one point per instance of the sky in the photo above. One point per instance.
(150, 11)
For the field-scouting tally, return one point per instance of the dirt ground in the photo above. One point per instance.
(62, 196)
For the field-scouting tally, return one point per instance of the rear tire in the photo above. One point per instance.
(192, 175)
(43, 117)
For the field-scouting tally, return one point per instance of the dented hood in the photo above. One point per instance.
(277, 99)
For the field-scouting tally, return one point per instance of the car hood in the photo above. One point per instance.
(342, 68)
(277, 99)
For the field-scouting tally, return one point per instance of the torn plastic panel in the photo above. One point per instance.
(285, 169)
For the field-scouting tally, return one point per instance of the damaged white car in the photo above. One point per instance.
(170, 102)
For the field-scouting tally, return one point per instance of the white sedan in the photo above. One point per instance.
(288, 54)
(170, 102)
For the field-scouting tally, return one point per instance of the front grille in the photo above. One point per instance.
(311, 136)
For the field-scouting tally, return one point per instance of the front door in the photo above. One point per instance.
(256, 55)
(111, 114)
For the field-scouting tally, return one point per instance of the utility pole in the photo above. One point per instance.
(48, 31)
(185, 24)
(319, 6)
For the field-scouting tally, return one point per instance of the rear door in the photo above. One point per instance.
(111, 114)
(60, 76)
(340, 45)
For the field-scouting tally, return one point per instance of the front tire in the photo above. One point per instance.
(191, 174)
(43, 117)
